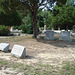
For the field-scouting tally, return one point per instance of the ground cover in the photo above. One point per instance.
(43, 57)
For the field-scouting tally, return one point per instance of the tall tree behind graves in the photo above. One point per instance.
(32, 6)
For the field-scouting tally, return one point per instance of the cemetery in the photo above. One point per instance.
(37, 37)
(23, 50)
(51, 47)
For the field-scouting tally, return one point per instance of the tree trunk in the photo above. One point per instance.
(34, 15)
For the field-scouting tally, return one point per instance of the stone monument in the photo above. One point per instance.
(44, 29)
(4, 46)
(73, 29)
(11, 29)
(18, 51)
(65, 36)
(49, 35)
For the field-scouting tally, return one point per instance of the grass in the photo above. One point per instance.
(16, 38)
(73, 40)
(67, 68)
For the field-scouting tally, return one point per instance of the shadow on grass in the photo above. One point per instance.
(57, 43)
(29, 57)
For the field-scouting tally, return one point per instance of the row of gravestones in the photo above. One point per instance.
(65, 35)
(17, 50)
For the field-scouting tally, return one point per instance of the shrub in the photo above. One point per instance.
(23, 28)
(26, 28)
(4, 30)
(30, 29)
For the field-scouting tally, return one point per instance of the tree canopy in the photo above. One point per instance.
(31, 5)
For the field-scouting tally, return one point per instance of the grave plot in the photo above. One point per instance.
(49, 35)
(4, 46)
(65, 36)
(18, 51)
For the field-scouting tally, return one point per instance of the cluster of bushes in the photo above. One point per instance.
(11, 18)
(4, 30)
(25, 28)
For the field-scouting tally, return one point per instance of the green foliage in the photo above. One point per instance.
(26, 28)
(47, 18)
(64, 18)
(70, 2)
(15, 27)
(3, 62)
(30, 29)
(10, 19)
(61, 2)
(23, 28)
(68, 69)
(40, 22)
(4, 30)
(27, 19)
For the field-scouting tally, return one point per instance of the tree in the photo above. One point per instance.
(11, 12)
(10, 19)
(32, 6)
(65, 18)
(61, 2)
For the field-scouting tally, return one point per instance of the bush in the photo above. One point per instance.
(30, 29)
(23, 28)
(26, 28)
(4, 30)
(15, 27)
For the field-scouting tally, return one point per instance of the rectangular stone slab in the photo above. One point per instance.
(4, 46)
(19, 51)
(49, 35)
(65, 36)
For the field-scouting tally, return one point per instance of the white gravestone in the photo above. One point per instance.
(11, 29)
(65, 36)
(19, 51)
(44, 29)
(4, 46)
(49, 35)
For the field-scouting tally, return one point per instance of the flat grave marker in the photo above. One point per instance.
(18, 51)
(4, 46)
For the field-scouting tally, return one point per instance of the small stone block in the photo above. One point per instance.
(18, 51)
(4, 46)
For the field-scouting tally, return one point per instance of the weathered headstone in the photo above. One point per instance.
(44, 31)
(44, 27)
(49, 35)
(73, 29)
(18, 51)
(4, 46)
(65, 36)
(52, 29)
(11, 29)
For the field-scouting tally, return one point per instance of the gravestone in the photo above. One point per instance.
(49, 35)
(11, 29)
(73, 29)
(65, 36)
(18, 51)
(44, 31)
(44, 27)
(4, 46)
